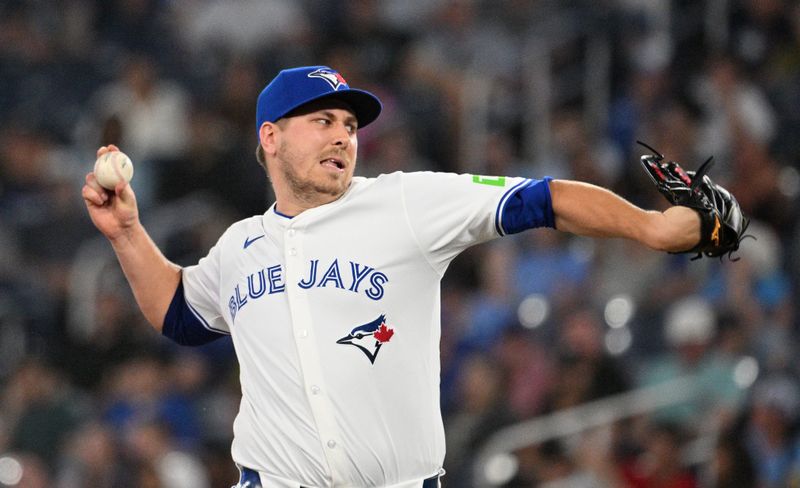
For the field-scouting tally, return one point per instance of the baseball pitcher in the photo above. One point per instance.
(332, 295)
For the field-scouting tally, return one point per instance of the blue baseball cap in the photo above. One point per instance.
(295, 87)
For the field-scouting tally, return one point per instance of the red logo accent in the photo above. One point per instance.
(383, 334)
(341, 79)
(682, 174)
(658, 172)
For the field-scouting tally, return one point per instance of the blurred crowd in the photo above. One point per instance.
(91, 396)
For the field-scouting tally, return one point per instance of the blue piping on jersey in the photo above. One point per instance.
(275, 209)
(184, 325)
(498, 213)
(526, 206)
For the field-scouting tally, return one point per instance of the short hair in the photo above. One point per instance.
(260, 156)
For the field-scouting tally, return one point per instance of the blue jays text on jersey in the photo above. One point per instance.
(270, 280)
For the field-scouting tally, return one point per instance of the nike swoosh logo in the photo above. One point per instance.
(249, 241)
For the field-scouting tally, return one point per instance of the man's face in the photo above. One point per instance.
(316, 152)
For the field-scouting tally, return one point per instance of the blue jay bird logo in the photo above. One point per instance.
(334, 79)
(369, 337)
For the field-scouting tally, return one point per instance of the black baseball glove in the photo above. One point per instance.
(722, 224)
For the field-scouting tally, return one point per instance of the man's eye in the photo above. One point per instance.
(323, 121)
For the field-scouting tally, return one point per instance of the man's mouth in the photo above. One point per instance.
(333, 163)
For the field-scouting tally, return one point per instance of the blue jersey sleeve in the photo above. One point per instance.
(184, 325)
(525, 206)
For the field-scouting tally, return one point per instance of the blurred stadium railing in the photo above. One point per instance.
(496, 464)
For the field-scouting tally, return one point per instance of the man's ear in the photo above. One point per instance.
(267, 135)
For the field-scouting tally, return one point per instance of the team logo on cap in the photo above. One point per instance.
(370, 337)
(334, 79)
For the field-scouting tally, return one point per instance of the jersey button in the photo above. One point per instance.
(291, 232)
(331, 443)
(293, 252)
(303, 333)
(315, 390)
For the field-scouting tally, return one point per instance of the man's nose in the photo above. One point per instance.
(341, 136)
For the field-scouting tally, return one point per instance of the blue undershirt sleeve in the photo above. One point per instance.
(527, 207)
(184, 326)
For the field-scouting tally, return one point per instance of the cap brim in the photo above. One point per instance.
(365, 105)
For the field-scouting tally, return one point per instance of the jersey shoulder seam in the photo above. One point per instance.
(222, 254)
(411, 227)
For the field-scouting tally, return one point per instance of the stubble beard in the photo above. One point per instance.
(306, 189)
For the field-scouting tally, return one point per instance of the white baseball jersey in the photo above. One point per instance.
(334, 315)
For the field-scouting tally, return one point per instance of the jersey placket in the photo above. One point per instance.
(308, 355)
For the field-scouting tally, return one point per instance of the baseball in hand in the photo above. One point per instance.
(111, 168)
